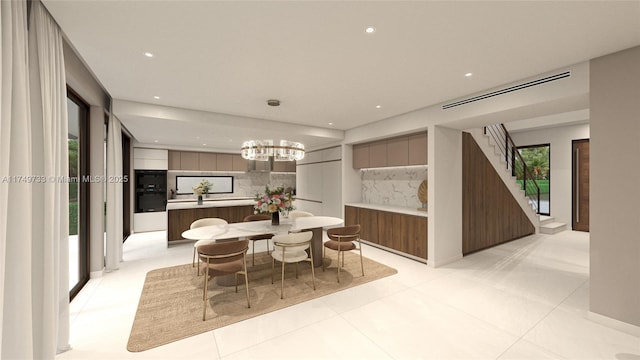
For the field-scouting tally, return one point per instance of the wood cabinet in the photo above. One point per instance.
(208, 162)
(180, 220)
(238, 163)
(397, 231)
(224, 162)
(284, 166)
(397, 151)
(417, 149)
(189, 160)
(360, 156)
(378, 154)
(174, 160)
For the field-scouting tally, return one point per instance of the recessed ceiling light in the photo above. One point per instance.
(468, 74)
(370, 30)
(204, 144)
(155, 141)
(156, 97)
(148, 54)
(378, 106)
(330, 123)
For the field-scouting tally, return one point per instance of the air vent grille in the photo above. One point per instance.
(508, 90)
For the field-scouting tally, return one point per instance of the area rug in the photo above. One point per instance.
(170, 306)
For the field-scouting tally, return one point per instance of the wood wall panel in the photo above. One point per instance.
(490, 214)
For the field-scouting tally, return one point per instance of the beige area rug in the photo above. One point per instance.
(170, 306)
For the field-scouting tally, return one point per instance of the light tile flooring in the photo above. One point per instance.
(526, 299)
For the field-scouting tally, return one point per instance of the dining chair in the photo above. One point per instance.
(223, 258)
(291, 248)
(253, 239)
(200, 223)
(343, 239)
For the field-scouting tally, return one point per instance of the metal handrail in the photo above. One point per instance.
(503, 140)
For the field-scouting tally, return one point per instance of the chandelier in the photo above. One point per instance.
(263, 150)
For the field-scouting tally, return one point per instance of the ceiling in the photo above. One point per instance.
(228, 58)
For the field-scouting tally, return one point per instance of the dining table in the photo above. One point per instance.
(315, 224)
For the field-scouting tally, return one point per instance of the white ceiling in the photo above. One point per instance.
(314, 56)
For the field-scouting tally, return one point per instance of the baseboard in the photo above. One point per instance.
(613, 323)
(435, 264)
(96, 274)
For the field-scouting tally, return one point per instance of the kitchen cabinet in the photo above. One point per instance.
(179, 220)
(397, 151)
(207, 162)
(224, 162)
(189, 160)
(417, 144)
(284, 166)
(393, 230)
(360, 156)
(378, 154)
(174, 160)
(238, 163)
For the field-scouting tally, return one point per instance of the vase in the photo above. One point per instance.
(275, 218)
(199, 199)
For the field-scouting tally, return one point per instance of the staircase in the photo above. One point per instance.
(498, 148)
(549, 225)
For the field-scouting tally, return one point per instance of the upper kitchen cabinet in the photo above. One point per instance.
(189, 160)
(150, 159)
(238, 163)
(284, 166)
(418, 149)
(208, 162)
(225, 162)
(397, 151)
(174, 160)
(360, 156)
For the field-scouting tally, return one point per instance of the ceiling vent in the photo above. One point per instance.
(508, 90)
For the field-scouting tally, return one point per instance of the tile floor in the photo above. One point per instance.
(526, 299)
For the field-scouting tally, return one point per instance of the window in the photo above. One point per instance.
(538, 160)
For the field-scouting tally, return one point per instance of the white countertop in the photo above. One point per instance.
(208, 203)
(390, 208)
(192, 199)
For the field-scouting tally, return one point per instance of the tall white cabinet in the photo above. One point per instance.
(319, 182)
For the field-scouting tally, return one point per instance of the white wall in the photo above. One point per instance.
(560, 163)
(614, 197)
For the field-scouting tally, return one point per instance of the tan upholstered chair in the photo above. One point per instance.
(290, 248)
(223, 258)
(299, 213)
(343, 239)
(200, 223)
(255, 238)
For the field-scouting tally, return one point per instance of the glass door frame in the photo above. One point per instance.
(83, 189)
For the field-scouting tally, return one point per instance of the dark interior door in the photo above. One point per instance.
(580, 185)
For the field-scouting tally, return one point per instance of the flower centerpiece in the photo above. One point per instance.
(273, 201)
(202, 188)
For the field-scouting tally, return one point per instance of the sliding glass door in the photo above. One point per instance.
(78, 195)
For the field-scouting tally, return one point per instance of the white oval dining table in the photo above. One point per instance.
(314, 224)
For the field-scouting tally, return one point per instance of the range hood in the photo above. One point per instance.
(260, 166)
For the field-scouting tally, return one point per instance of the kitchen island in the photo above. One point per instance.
(181, 213)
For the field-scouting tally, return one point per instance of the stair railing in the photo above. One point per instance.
(515, 162)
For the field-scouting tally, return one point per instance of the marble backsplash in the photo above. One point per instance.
(245, 184)
(392, 186)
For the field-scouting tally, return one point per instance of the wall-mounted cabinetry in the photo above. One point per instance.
(398, 151)
(205, 161)
(284, 166)
(401, 232)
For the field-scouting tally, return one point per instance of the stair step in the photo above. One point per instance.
(552, 228)
(544, 219)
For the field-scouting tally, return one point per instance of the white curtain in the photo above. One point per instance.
(34, 196)
(114, 195)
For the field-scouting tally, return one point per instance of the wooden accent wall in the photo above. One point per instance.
(490, 214)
